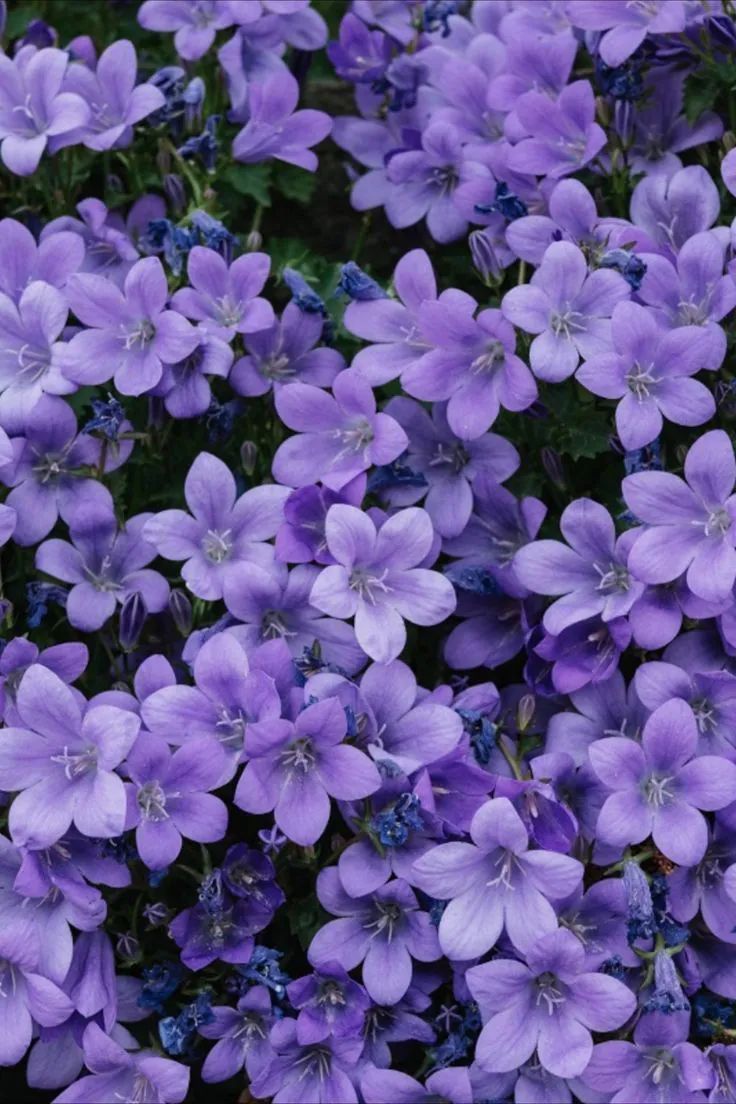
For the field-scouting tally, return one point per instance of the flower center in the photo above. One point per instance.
(388, 914)
(368, 586)
(504, 864)
(230, 730)
(614, 577)
(77, 764)
(356, 438)
(718, 523)
(229, 313)
(331, 994)
(705, 715)
(139, 335)
(277, 367)
(640, 380)
(661, 1063)
(33, 361)
(566, 322)
(274, 626)
(549, 994)
(217, 546)
(493, 355)
(152, 801)
(452, 456)
(299, 757)
(656, 792)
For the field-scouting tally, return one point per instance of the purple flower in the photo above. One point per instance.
(104, 565)
(296, 768)
(339, 435)
(26, 995)
(495, 883)
(626, 26)
(115, 102)
(492, 632)
(63, 762)
(690, 523)
(568, 308)
(221, 532)
(116, 1074)
(650, 373)
(322, 1072)
(185, 387)
(219, 930)
(31, 356)
(284, 352)
(705, 888)
(585, 652)
(422, 182)
(275, 604)
(375, 578)
(276, 129)
(329, 1003)
(32, 106)
(226, 698)
(451, 468)
(693, 293)
(51, 261)
(671, 210)
(44, 481)
(242, 1038)
(452, 1085)
(384, 930)
(301, 537)
(550, 1004)
(195, 23)
(563, 136)
(472, 364)
(659, 1065)
(360, 55)
(659, 787)
(132, 334)
(109, 240)
(591, 574)
(710, 695)
(68, 661)
(225, 300)
(166, 798)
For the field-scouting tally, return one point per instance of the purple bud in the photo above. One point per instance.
(82, 48)
(180, 609)
(157, 915)
(484, 256)
(127, 946)
(132, 618)
(552, 464)
(624, 121)
(248, 456)
(253, 242)
(175, 192)
(38, 34)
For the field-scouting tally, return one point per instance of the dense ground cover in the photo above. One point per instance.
(368, 675)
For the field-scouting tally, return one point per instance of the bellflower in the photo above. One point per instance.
(185, 385)
(167, 799)
(26, 996)
(51, 261)
(31, 356)
(195, 25)
(384, 931)
(322, 1071)
(626, 27)
(338, 436)
(671, 210)
(660, 786)
(690, 522)
(225, 300)
(452, 1085)
(563, 136)
(63, 761)
(131, 333)
(221, 532)
(242, 1038)
(568, 308)
(591, 574)
(376, 578)
(294, 769)
(329, 1003)
(276, 129)
(33, 107)
(104, 565)
(495, 883)
(422, 182)
(284, 352)
(650, 371)
(115, 1073)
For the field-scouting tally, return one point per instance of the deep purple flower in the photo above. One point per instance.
(384, 930)
(650, 372)
(585, 652)
(659, 787)
(591, 574)
(568, 308)
(132, 334)
(495, 883)
(329, 1003)
(104, 565)
(33, 108)
(221, 532)
(116, 1073)
(551, 1004)
(63, 762)
(296, 768)
(376, 578)
(167, 799)
(690, 523)
(322, 1072)
(301, 537)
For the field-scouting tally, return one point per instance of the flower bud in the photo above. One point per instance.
(180, 609)
(248, 456)
(253, 242)
(552, 464)
(175, 192)
(484, 256)
(132, 618)
(525, 712)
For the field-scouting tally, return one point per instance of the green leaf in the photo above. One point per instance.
(250, 180)
(294, 183)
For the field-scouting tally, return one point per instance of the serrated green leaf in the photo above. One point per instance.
(251, 180)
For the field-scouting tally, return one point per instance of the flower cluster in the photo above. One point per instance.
(368, 678)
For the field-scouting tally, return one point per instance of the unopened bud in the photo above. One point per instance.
(552, 464)
(180, 609)
(175, 192)
(253, 242)
(132, 618)
(248, 456)
(484, 256)
(127, 945)
(525, 712)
